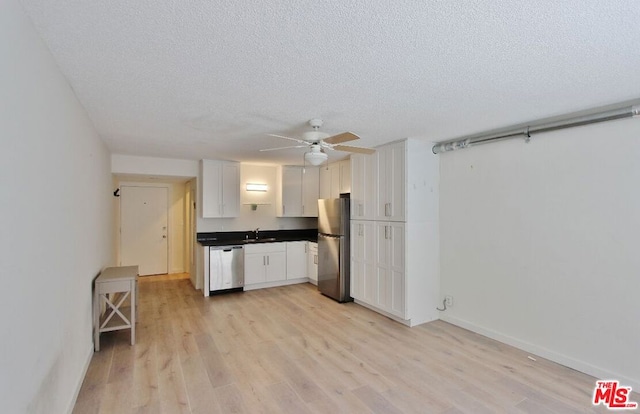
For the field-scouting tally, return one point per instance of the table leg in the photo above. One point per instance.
(96, 321)
(134, 301)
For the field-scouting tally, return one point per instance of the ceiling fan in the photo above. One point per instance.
(318, 142)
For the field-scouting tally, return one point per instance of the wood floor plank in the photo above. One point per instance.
(303, 384)
(230, 400)
(214, 363)
(291, 350)
(376, 401)
(286, 398)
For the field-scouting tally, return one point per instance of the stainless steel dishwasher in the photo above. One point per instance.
(226, 268)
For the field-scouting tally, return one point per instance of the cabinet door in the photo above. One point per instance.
(396, 181)
(310, 191)
(230, 189)
(276, 266)
(312, 262)
(291, 192)
(254, 268)
(363, 261)
(357, 265)
(396, 269)
(363, 187)
(381, 295)
(211, 188)
(390, 179)
(345, 176)
(296, 260)
(325, 182)
(390, 267)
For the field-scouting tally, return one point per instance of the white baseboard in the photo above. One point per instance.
(81, 380)
(383, 313)
(276, 284)
(582, 366)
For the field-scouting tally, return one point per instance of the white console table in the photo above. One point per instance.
(112, 288)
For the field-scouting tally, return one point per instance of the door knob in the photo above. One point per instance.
(164, 236)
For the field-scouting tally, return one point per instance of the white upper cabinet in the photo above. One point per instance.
(390, 178)
(363, 188)
(335, 179)
(298, 191)
(310, 191)
(290, 194)
(325, 182)
(219, 189)
(345, 176)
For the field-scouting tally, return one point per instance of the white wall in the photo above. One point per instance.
(55, 224)
(539, 245)
(264, 216)
(170, 167)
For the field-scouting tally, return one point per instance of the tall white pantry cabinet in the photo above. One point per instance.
(394, 231)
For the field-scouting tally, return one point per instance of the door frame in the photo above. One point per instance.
(166, 212)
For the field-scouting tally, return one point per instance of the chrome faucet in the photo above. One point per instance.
(257, 230)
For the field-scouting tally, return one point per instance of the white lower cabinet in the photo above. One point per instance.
(276, 264)
(364, 283)
(390, 267)
(377, 265)
(296, 260)
(312, 262)
(264, 263)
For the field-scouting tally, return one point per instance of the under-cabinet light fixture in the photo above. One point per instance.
(256, 187)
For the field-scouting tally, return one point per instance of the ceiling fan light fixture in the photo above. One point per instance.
(315, 158)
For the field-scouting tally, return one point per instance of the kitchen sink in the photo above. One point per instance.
(269, 239)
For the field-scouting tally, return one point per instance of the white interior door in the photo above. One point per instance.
(143, 228)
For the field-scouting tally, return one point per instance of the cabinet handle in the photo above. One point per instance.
(315, 259)
(386, 232)
(267, 260)
(302, 209)
(264, 260)
(390, 232)
(360, 208)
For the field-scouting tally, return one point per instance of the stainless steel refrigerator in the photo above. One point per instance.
(333, 248)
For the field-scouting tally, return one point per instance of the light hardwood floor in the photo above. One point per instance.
(291, 350)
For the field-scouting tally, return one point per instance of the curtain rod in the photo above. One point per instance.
(609, 115)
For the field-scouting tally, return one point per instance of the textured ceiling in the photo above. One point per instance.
(209, 79)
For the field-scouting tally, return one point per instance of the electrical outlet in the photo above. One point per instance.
(449, 300)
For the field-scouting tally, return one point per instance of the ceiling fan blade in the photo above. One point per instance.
(289, 138)
(358, 150)
(339, 138)
(281, 148)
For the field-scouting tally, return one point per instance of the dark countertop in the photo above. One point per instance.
(230, 238)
